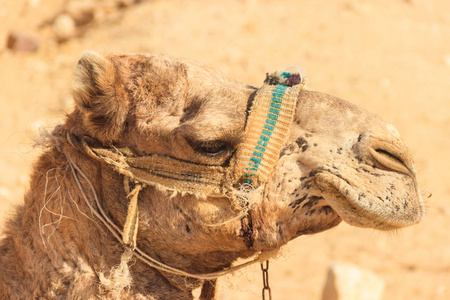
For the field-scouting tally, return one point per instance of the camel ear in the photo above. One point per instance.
(100, 96)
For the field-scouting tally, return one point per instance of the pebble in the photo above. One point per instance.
(22, 42)
(447, 60)
(5, 192)
(348, 282)
(64, 27)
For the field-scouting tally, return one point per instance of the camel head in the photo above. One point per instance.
(333, 162)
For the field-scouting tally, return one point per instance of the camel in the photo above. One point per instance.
(166, 172)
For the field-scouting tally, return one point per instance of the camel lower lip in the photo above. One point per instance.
(345, 200)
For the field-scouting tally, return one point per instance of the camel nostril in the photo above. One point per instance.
(389, 155)
(391, 161)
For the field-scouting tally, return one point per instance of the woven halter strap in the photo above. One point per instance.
(266, 132)
(157, 170)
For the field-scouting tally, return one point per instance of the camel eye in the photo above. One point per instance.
(212, 148)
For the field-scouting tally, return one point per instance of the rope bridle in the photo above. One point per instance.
(265, 133)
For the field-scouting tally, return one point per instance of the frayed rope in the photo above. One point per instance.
(119, 278)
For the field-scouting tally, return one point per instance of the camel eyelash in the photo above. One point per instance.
(212, 148)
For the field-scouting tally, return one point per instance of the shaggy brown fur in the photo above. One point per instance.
(340, 162)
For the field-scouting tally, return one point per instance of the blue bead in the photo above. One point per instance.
(272, 116)
(268, 133)
(276, 100)
(268, 127)
(275, 105)
(264, 144)
(259, 148)
(258, 154)
(271, 122)
(251, 169)
(264, 138)
(256, 160)
(275, 111)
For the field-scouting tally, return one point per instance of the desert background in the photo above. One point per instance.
(391, 57)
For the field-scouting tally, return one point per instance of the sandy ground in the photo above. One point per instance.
(389, 56)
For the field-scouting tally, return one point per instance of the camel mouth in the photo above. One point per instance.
(361, 208)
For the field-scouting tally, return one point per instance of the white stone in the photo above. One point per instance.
(64, 27)
(447, 60)
(34, 2)
(348, 282)
(5, 192)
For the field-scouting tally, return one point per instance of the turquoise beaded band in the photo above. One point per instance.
(266, 133)
(267, 127)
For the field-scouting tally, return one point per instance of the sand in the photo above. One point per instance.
(391, 57)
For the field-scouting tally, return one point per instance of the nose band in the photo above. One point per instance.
(266, 131)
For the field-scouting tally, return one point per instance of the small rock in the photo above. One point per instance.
(347, 282)
(22, 41)
(5, 192)
(447, 60)
(66, 101)
(125, 3)
(82, 12)
(34, 2)
(385, 82)
(22, 180)
(36, 127)
(64, 27)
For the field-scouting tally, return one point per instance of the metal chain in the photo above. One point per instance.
(265, 273)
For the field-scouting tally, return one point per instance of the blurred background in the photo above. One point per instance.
(391, 57)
